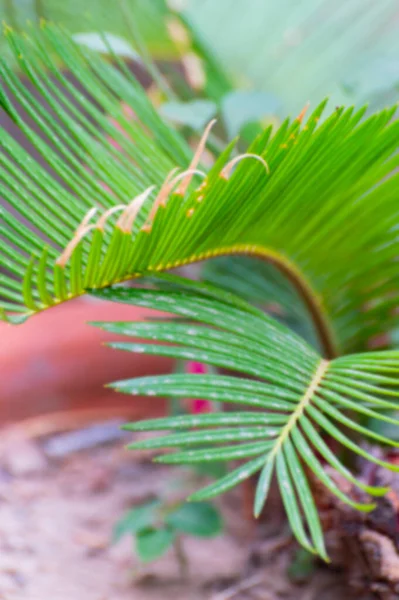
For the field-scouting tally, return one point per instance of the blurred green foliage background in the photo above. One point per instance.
(296, 50)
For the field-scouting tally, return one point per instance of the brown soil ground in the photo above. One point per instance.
(58, 506)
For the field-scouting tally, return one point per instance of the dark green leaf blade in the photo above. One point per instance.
(200, 519)
(136, 519)
(153, 543)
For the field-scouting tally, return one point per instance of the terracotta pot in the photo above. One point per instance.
(57, 362)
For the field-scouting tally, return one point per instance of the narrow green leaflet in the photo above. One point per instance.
(211, 436)
(290, 502)
(136, 519)
(227, 453)
(195, 114)
(305, 495)
(205, 420)
(262, 489)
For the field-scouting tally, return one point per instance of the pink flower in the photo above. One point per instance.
(197, 406)
(196, 368)
(201, 406)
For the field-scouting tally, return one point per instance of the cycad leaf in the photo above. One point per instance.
(292, 382)
(292, 204)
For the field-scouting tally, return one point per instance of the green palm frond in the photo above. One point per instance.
(300, 213)
(296, 396)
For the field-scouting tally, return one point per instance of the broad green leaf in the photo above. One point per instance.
(242, 107)
(195, 114)
(136, 519)
(302, 566)
(300, 51)
(196, 518)
(373, 79)
(153, 543)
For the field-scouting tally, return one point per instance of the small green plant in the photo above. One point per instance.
(158, 526)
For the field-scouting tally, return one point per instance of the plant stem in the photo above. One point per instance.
(318, 318)
(181, 558)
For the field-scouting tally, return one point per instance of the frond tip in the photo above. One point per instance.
(225, 172)
(80, 232)
(294, 396)
(127, 218)
(303, 112)
(181, 190)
